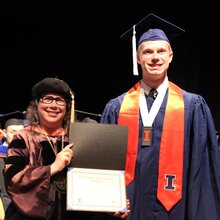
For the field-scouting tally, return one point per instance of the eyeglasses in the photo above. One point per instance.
(50, 99)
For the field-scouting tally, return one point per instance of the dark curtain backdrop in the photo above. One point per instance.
(80, 43)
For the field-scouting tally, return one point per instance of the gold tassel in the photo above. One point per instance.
(72, 116)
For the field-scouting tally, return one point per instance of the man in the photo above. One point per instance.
(10, 123)
(173, 160)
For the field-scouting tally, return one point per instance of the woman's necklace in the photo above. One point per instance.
(52, 145)
(59, 180)
(50, 142)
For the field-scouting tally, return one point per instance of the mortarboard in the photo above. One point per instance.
(12, 118)
(150, 28)
(84, 116)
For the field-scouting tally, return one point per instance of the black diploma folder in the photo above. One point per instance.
(98, 146)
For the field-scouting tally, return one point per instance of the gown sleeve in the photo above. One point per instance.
(27, 180)
(203, 155)
(111, 110)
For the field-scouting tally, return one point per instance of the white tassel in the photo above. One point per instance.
(134, 53)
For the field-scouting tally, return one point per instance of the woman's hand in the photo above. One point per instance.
(63, 159)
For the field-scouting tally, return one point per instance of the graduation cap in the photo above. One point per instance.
(84, 116)
(12, 118)
(150, 28)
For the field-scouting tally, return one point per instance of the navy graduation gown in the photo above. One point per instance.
(201, 174)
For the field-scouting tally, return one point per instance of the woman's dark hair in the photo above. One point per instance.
(33, 118)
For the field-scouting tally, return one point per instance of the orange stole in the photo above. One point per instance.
(171, 147)
(129, 115)
(169, 190)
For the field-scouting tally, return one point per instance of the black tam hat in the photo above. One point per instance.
(52, 85)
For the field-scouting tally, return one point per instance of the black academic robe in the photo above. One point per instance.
(201, 171)
(34, 193)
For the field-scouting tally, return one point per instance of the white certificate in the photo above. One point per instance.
(96, 190)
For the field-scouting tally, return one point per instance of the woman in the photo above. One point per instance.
(38, 156)
(36, 166)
